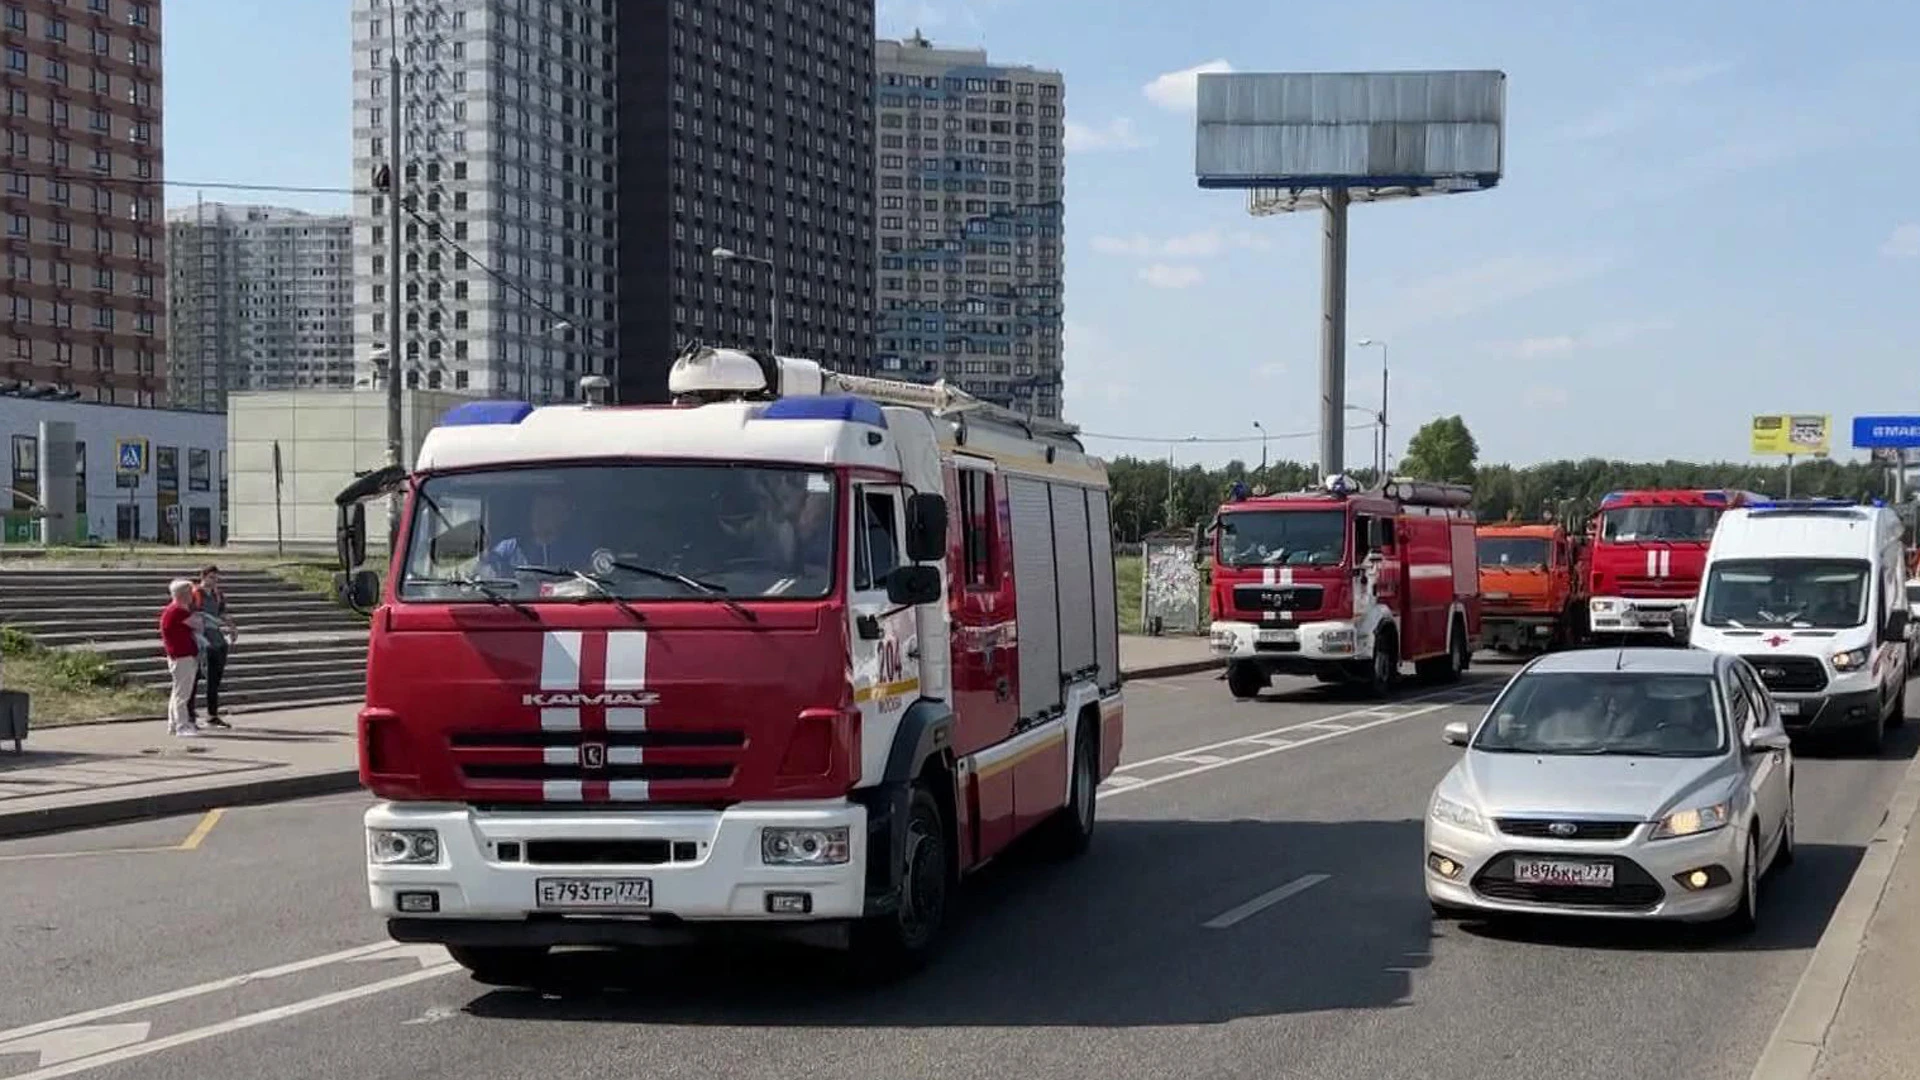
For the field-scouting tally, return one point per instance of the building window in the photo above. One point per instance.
(199, 470)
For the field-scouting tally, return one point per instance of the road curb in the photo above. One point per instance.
(141, 807)
(1793, 1052)
(1184, 667)
(236, 710)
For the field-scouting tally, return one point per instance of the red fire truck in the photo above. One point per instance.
(1647, 550)
(1344, 584)
(641, 673)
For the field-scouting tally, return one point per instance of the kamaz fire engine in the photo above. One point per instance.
(641, 673)
(1346, 585)
(1533, 578)
(1646, 553)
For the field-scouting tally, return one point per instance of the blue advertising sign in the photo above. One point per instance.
(1886, 432)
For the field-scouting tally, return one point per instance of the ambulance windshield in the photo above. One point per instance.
(1283, 537)
(1825, 594)
(627, 532)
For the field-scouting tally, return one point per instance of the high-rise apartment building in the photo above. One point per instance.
(80, 199)
(506, 155)
(259, 298)
(745, 126)
(971, 170)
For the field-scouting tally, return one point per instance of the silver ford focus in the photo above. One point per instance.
(1624, 783)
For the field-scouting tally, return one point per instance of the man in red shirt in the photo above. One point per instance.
(183, 657)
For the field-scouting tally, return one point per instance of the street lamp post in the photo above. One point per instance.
(1366, 343)
(773, 282)
(1263, 450)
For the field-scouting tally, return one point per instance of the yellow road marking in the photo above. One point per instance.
(191, 843)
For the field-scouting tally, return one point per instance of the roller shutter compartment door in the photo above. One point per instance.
(1035, 605)
(1106, 621)
(1073, 570)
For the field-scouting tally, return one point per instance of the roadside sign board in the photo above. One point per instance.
(1886, 432)
(1792, 434)
(130, 456)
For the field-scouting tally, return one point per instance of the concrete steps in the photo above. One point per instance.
(295, 648)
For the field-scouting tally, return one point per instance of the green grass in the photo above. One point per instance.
(1126, 571)
(69, 685)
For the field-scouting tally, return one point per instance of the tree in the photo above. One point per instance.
(1444, 450)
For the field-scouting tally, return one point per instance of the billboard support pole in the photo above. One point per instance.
(1333, 333)
(1789, 476)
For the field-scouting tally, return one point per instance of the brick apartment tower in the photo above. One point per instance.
(81, 205)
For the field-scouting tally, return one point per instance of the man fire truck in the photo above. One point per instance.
(760, 678)
(1646, 553)
(1346, 585)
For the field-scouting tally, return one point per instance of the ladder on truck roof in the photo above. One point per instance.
(950, 403)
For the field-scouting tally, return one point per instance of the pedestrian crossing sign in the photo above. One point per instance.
(130, 456)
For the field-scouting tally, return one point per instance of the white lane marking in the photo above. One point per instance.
(1264, 901)
(184, 993)
(1199, 759)
(68, 1044)
(238, 1023)
(1106, 792)
(1446, 697)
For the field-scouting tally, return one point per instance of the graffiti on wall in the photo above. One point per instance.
(1171, 589)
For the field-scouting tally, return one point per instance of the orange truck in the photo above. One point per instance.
(1532, 587)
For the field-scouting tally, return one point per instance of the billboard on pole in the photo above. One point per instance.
(1792, 434)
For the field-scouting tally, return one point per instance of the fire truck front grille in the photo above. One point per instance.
(1658, 588)
(520, 740)
(654, 773)
(1262, 598)
(521, 756)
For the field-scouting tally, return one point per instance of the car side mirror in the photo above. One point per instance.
(910, 585)
(926, 527)
(1896, 625)
(1456, 733)
(1769, 738)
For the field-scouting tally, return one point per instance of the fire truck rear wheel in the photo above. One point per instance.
(502, 965)
(904, 939)
(1070, 831)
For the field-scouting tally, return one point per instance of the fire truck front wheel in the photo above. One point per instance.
(1245, 680)
(904, 939)
(502, 965)
(1384, 670)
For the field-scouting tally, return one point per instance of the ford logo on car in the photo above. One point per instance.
(1563, 828)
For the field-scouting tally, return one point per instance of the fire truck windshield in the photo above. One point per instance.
(1512, 551)
(1824, 594)
(622, 532)
(1283, 537)
(1630, 524)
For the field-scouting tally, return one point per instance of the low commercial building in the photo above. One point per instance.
(64, 474)
(293, 451)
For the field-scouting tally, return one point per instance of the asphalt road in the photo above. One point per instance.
(1252, 907)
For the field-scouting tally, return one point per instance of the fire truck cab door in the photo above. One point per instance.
(884, 646)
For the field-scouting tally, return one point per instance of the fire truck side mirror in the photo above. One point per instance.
(363, 591)
(926, 528)
(910, 585)
(350, 535)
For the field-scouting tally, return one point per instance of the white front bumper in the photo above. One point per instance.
(723, 879)
(1332, 640)
(1621, 615)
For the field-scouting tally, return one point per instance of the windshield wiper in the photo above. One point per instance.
(692, 583)
(487, 587)
(593, 582)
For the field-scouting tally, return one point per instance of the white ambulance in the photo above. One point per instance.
(1812, 593)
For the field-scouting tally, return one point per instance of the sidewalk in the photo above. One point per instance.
(1852, 1015)
(86, 775)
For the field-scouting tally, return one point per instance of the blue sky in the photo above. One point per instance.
(1707, 212)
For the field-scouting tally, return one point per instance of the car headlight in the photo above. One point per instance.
(403, 847)
(1702, 819)
(804, 847)
(1458, 815)
(1852, 659)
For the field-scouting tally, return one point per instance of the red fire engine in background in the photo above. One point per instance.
(1345, 584)
(1646, 553)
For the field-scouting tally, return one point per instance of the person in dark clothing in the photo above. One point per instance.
(211, 604)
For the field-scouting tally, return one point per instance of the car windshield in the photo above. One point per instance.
(1826, 594)
(626, 532)
(1283, 537)
(1513, 552)
(1615, 712)
(1634, 523)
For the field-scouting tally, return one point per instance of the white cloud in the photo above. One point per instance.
(1606, 336)
(1178, 91)
(1203, 244)
(1490, 284)
(1903, 242)
(1117, 134)
(1167, 276)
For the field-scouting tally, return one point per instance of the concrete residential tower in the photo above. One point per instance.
(507, 156)
(83, 295)
(971, 173)
(260, 298)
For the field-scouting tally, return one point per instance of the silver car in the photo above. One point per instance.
(1626, 783)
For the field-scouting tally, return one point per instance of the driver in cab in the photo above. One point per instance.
(544, 542)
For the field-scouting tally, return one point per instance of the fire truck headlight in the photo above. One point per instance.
(403, 847)
(1337, 641)
(804, 847)
(1222, 640)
